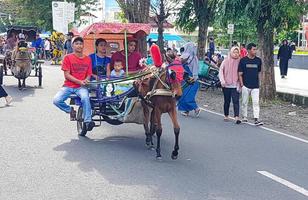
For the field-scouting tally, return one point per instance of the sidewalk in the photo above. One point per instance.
(294, 87)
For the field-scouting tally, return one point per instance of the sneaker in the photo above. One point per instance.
(9, 100)
(197, 112)
(258, 123)
(73, 114)
(244, 119)
(226, 118)
(185, 113)
(89, 125)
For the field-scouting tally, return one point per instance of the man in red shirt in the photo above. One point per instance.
(133, 58)
(243, 51)
(77, 72)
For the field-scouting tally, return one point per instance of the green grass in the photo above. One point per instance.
(295, 53)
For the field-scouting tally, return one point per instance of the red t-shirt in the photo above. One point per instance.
(243, 52)
(133, 60)
(80, 68)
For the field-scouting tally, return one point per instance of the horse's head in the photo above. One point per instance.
(166, 80)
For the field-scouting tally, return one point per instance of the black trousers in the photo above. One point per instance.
(2, 92)
(231, 93)
(283, 65)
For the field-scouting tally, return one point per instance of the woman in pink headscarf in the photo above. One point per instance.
(228, 75)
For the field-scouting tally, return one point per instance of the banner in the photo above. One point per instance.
(62, 14)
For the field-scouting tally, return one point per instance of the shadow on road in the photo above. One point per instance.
(124, 160)
(17, 94)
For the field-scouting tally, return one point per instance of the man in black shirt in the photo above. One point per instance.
(249, 75)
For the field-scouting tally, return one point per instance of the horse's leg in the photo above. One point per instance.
(158, 132)
(146, 114)
(24, 83)
(19, 83)
(176, 128)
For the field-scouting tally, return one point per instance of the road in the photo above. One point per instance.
(41, 156)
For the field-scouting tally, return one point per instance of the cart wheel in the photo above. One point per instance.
(82, 131)
(1, 74)
(112, 121)
(40, 75)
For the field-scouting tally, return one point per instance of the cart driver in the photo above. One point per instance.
(77, 72)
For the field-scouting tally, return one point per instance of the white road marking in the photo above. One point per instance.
(263, 127)
(284, 182)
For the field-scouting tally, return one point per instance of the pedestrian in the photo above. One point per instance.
(38, 44)
(68, 44)
(249, 76)
(77, 72)
(228, 76)
(211, 48)
(47, 48)
(7, 97)
(243, 51)
(187, 102)
(284, 54)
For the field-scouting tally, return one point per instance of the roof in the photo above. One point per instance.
(100, 27)
(154, 25)
(167, 37)
(24, 28)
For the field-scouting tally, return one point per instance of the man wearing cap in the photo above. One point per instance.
(77, 72)
(68, 44)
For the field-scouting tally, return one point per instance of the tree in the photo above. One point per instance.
(39, 12)
(198, 13)
(136, 11)
(162, 9)
(268, 16)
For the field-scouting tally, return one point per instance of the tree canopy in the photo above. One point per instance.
(39, 12)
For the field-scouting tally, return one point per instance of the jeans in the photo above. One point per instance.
(246, 92)
(231, 93)
(63, 95)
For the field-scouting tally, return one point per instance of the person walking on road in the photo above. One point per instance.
(7, 97)
(228, 76)
(68, 44)
(284, 54)
(249, 76)
(190, 61)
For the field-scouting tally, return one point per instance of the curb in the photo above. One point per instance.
(293, 98)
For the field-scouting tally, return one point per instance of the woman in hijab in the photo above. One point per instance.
(190, 63)
(228, 76)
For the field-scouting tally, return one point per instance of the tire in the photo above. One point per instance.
(112, 121)
(81, 129)
(40, 76)
(1, 74)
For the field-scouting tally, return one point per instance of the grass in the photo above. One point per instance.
(295, 53)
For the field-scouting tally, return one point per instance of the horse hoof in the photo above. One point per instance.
(174, 157)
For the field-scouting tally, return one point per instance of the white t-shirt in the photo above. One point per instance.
(47, 45)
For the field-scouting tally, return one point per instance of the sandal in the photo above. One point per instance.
(197, 112)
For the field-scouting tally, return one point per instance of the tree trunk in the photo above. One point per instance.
(160, 40)
(266, 46)
(202, 37)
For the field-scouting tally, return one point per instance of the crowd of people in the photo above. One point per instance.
(239, 72)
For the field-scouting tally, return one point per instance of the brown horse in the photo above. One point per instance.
(159, 93)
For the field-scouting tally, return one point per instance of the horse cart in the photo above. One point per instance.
(108, 96)
(19, 60)
(141, 98)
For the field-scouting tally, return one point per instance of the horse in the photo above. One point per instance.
(21, 65)
(160, 92)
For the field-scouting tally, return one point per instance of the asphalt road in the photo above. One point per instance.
(41, 156)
